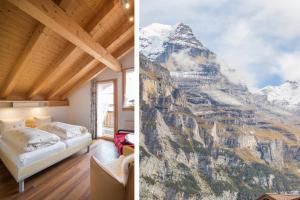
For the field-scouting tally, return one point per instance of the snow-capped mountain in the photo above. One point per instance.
(205, 136)
(182, 34)
(193, 67)
(286, 95)
(156, 38)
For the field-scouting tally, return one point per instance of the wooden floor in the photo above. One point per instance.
(68, 179)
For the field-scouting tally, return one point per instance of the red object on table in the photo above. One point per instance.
(120, 141)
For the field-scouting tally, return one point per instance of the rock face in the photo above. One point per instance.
(202, 136)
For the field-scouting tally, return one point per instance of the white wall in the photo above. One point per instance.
(80, 101)
(57, 113)
(80, 106)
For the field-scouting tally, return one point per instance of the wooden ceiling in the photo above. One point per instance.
(48, 49)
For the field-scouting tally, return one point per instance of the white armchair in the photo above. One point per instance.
(114, 181)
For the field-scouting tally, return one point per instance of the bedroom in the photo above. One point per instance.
(66, 99)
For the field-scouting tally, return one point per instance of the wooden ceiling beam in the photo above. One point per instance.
(84, 67)
(119, 53)
(52, 16)
(25, 57)
(69, 54)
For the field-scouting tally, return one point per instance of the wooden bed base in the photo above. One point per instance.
(21, 173)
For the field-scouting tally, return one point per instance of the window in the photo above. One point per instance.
(107, 114)
(128, 89)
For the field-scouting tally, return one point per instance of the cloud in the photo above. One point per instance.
(248, 54)
(260, 39)
(289, 66)
(278, 18)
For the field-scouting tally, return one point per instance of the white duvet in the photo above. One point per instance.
(63, 130)
(29, 139)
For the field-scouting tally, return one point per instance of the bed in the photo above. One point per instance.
(25, 164)
(77, 140)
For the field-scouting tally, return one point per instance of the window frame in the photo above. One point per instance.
(125, 108)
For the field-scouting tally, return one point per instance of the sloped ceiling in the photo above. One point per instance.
(48, 49)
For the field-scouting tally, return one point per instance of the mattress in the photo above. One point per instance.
(28, 158)
(78, 140)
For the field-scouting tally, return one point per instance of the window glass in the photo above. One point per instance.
(129, 88)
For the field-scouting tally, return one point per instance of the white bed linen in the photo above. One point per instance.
(77, 140)
(28, 158)
(29, 139)
(63, 130)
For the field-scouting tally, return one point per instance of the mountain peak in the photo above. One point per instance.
(182, 26)
(183, 34)
(154, 36)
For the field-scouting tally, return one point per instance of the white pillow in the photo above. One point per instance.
(7, 124)
(41, 120)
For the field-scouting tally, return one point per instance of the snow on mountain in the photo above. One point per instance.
(194, 66)
(152, 38)
(155, 36)
(286, 95)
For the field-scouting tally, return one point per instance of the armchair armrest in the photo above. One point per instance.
(104, 185)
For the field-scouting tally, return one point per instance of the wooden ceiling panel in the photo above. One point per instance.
(16, 29)
(120, 38)
(49, 49)
(65, 71)
(52, 16)
(108, 22)
(82, 10)
(50, 44)
(69, 57)
(28, 60)
(25, 61)
(95, 26)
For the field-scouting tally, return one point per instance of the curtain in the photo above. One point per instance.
(94, 109)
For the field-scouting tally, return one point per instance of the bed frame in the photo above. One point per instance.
(21, 173)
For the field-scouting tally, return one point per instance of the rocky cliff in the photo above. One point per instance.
(204, 137)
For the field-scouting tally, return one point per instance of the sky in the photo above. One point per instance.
(260, 39)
